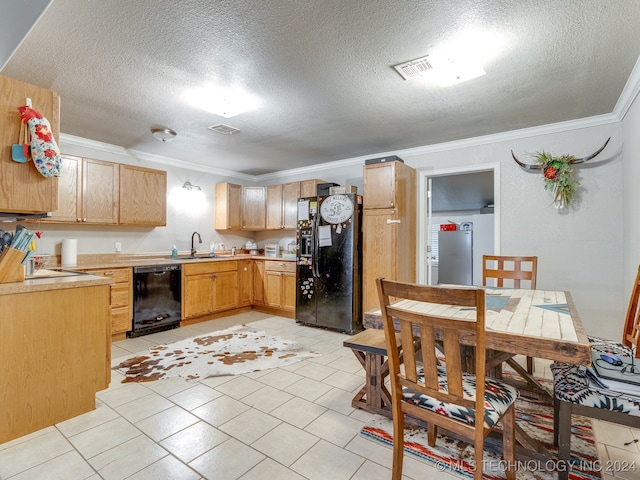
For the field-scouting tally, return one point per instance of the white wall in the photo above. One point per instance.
(631, 198)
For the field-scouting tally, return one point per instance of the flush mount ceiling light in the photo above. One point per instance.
(163, 134)
(187, 185)
(225, 102)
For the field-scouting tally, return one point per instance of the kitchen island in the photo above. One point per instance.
(55, 349)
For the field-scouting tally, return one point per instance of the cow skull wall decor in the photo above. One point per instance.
(557, 173)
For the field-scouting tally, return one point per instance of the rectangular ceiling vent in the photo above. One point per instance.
(414, 68)
(223, 129)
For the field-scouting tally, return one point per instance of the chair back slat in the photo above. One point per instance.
(422, 324)
(511, 268)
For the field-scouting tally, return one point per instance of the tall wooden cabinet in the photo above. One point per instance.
(22, 188)
(254, 208)
(389, 227)
(228, 208)
(282, 206)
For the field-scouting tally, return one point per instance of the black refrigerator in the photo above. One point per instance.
(329, 262)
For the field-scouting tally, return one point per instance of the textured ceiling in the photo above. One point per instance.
(322, 71)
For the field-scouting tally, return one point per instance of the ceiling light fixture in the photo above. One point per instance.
(163, 134)
(187, 185)
(225, 102)
(442, 70)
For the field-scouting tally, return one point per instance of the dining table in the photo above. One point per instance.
(538, 323)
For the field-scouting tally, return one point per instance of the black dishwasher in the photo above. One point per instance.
(157, 292)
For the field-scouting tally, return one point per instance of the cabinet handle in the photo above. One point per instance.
(389, 221)
(213, 275)
(108, 273)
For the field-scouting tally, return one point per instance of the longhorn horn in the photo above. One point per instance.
(577, 161)
(586, 159)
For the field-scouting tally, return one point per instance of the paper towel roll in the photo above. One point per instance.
(69, 252)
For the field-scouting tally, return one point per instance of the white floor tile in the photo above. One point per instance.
(250, 425)
(166, 423)
(335, 428)
(298, 412)
(285, 444)
(270, 470)
(228, 460)
(127, 458)
(195, 396)
(220, 410)
(68, 466)
(167, 468)
(38, 450)
(104, 437)
(193, 441)
(314, 464)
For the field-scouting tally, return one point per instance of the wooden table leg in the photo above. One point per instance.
(373, 397)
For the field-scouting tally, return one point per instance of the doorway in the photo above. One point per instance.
(458, 195)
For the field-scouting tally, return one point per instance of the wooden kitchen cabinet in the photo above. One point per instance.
(143, 196)
(282, 206)
(22, 188)
(254, 208)
(309, 188)
(121, 301)
(228, 208)
(389, 227)
(258, 283)
(245, 282)
(209, 287)
(88, 192)
(280, 284)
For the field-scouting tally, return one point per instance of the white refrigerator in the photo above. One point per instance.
(455, 257)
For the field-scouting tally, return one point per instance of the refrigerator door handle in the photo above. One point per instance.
(314, 242)
(389, 221)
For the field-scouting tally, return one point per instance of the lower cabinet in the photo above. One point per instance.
(245, 282)
(121, 304)
(280, 284)
(209, 287)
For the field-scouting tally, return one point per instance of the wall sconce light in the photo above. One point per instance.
(163, 134)
(189, 186)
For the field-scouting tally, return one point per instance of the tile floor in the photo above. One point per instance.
(289, 423)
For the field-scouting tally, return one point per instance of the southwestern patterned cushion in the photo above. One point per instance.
(602, 345)
(571, 384)
(498, 397)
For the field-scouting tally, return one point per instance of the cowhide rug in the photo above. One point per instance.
(236, 350)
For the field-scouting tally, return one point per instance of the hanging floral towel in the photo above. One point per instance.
(44, 149)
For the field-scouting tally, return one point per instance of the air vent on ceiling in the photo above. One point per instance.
(414, 68)
(223, 129)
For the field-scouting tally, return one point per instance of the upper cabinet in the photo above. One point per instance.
(385, 185)
(143, 196)
(22, 188)
(254, 204)
(228, 208)
(309, 188)
(106, 193)
(282, 206)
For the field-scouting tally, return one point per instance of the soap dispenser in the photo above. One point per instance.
(212, 247)
(174, 252)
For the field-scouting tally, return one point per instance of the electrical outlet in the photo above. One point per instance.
(118, 247)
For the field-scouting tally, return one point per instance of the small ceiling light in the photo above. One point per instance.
(224, 102)
(163, 134)
(189, 186)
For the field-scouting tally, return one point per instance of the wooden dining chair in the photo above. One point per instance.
(574, 393)
(510, 272)
(443, 395)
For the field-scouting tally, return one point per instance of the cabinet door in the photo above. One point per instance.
(69, 191)
(143, 196)
(258, 282)
(289, 285)
(274, 207)
(379, 254)
(225, 288)
(308, 188)
(290, 195)
(100, 191)
(379, 186)
(198, 292)
(22, 187)
(228, 206)
(245, 282)
(273, 289)
(253, 208)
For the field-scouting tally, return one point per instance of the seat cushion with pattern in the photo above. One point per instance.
(498, 397)
(571, 384)
(603, 345)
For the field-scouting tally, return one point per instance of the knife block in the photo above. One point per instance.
(11, 269)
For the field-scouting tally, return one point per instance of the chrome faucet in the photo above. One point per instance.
(193, 248)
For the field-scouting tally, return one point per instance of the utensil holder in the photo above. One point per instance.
(11, 269)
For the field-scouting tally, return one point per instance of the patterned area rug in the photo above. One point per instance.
(454, 456)
(233, 351)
